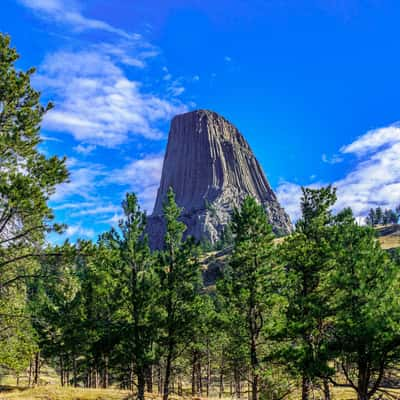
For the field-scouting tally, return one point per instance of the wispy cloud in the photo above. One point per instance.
(289, 197)
(82, 183)
(142, 177)
(84, 149)
(78, 230)
(67, 13)
(82, 195)
(375, 180)
(97, 103)
(374, 140)
(96, 210)
(335, 159)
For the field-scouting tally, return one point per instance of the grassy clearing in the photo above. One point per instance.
(389, 236)
(59, 393)
(390, 242)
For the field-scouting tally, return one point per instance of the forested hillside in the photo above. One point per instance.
(292, 318)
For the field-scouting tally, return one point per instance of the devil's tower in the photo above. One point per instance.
(211, 169)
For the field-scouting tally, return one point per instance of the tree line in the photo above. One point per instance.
(291, 317)
(378, 216)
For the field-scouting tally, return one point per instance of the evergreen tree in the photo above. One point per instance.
(138, 289)
(389, 217)
(308, 257)
(371, 218)
(251, 284)
(180, 283)
(27, 179)
(364, 289)
(378, 216)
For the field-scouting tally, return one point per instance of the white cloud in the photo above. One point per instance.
(176, 88)
(114, 220)
(142, 177)
(68, 14)
(373, 140)
(82, 194)
(375, 180)
(50, 139)
(84, 149)
(84, 178)
(97, 103)
(96, 210)
(335, 159)
(73, 206)
(289, 197)
(78, 230)
(129, 53)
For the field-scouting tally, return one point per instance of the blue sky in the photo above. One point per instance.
(313, 85)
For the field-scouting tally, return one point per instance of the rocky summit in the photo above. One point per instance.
(211, 169)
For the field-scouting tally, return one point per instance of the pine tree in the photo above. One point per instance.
(27, 177)
(251, 285)
(378, 216)
(27, 180)
(371, 218)
(138, 289)
(180, 283)
(364, 289)
(308, 257)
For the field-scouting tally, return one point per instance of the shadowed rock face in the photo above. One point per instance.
(211, 169)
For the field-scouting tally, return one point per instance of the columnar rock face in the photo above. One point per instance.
(211, 169)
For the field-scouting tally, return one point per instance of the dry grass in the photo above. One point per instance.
(390, 242)
(389, 236)
(58, 393)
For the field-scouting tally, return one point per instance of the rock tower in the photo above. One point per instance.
(211, 169)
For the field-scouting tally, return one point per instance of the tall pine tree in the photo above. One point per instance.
(308, 257)
(251, 283)
(180, 283)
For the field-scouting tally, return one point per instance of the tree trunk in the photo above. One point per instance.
(168, 372)
(131, 378)
(199, 378)
(305, 388)
(96, 378)
(141, 385)
(62, 371)
(327, 393)
(363, 381)
(221, 378)
(194, 364)
(149, 379)
(30, 373)
(105, 373)
(180, 386)
(159, 380)
(67, 377)
(89, 378)
(36, 375)
(208, 370)
(237, 383)
(74, 371)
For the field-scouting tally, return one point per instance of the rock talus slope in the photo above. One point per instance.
(211, 169)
